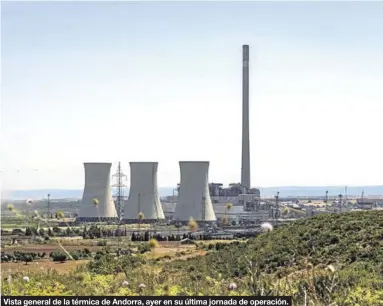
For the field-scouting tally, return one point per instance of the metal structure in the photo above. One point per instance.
(97, 203)
(276, 208)
(120, 186)
(345, 194)
(194, 198)
(120, 177)
(143, 194)
(245, 169)
(48, 206)
(340, 202)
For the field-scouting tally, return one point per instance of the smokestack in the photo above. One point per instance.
(245, 170)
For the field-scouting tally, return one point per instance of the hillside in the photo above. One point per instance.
(321, 259)
(340, 240)
(326, 260)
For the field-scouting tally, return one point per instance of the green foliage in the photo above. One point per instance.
(102, 242)
(108, 264)
(327, 239)
(18, 256)
(59, 256)
(325, 260)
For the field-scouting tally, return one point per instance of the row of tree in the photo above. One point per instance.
(97, 232)
(26, 257)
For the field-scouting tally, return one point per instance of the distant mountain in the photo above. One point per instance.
(284, 191)
(295, 191)
(38, 194)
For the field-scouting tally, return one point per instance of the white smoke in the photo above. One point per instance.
(267, 227)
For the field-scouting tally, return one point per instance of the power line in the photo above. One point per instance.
(120, 177)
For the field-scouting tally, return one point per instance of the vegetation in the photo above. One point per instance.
(26, 257)
(326, 260)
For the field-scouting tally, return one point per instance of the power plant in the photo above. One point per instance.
(97, 202)
(194, 197)
(236, 191)
(143, 197)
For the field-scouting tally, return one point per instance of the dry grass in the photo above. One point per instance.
(40, 266)
(193, 254)
(207, 242)
(172, 248)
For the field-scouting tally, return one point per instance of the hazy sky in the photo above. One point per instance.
(99, 81)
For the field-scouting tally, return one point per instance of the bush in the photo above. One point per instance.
(292, 260)
(58, 256)
(102, 243)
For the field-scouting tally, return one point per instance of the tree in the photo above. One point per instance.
(28, 232)
(27, 258)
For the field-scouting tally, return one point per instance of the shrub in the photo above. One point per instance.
(102, 242)
(58, 256)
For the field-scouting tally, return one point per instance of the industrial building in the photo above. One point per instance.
(235, 192)
(369, 203)
(97, 201)
(143, 194)
(195, 195)
(194, 198)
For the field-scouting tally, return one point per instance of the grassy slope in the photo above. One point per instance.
(297, 260)
(335, 239)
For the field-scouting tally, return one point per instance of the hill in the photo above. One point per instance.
(327, 259)
(340, 240)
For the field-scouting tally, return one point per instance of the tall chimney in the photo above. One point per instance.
(245, 170)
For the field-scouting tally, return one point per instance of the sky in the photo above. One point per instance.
(161, 81)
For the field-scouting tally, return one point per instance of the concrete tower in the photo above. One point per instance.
(143, 194)
(245, 169)
(194, 198)
(97, 186)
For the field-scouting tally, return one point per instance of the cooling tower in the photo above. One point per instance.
(143, 194)
(97, 186)
(194, 197)
(245, 169)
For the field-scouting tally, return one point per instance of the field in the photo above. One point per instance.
(325, 260)
(169, 249)
(40, 266)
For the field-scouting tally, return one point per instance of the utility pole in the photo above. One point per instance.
(48, 206)
(340, 203)
(277, 208)
(345, 194)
